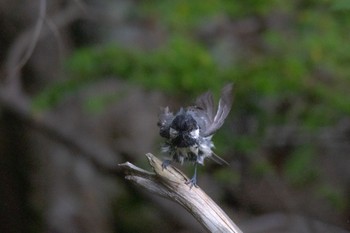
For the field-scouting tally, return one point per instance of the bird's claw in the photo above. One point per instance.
(165, 164)
(192, 182)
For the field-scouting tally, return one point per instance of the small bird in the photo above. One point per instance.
(188, 133)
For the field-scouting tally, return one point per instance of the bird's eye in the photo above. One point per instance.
(173, 132)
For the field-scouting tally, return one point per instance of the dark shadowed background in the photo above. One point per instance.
(81, 83)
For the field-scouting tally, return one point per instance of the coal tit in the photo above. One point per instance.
(188, 133)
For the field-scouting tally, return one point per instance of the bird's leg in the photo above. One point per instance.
(166, 163)
(193, 181)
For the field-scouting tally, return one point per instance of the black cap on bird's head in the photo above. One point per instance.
(184, 123)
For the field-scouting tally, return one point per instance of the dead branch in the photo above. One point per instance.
(170, 183)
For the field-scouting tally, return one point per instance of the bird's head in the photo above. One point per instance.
(184, 130)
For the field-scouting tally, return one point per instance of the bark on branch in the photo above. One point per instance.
(170, 183)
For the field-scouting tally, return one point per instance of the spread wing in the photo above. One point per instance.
(165, 118)
(212, 121)
(203, 111)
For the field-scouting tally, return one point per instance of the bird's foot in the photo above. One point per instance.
(166, 163)
(192, 182)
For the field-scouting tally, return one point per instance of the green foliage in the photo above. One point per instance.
(261, 168)
(180, 66)
(134, 215)
(300, 169)
(333, 196)
(56, 92)
(96, 104)
(245, 144)
(227, 176)
(185, 15)
(303, 65)
(185, 66)
(341, 5)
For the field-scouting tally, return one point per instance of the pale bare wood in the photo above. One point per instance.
(170, 183)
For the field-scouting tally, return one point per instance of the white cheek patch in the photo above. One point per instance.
(173, 133)
(194, 150)
(195, 133)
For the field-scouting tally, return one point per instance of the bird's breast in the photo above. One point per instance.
(184, 140)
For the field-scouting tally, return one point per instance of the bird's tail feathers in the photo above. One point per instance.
(217, 159)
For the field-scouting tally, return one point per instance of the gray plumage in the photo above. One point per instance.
(188, 133)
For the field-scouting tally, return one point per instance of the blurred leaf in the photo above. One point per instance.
(245, 144)
(300, 168)
(261, 168)
(334, 197)
(54, 94)
(227, 176)
(341, 5)
(97, 104)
